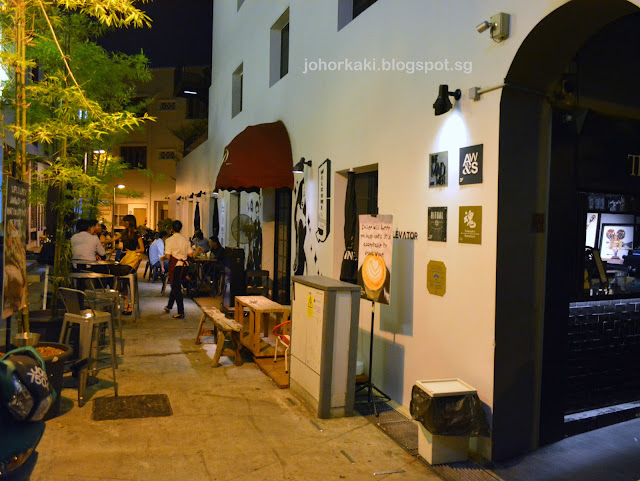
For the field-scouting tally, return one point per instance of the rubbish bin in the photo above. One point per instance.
(449, 412)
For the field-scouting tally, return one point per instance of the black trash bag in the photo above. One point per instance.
(449, 415)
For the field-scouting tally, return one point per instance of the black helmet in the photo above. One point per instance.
(24, 385)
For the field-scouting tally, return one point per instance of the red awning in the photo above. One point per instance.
(258, 157)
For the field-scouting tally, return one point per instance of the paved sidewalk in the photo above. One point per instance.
(228, 423)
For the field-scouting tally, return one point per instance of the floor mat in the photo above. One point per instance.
(131, 407)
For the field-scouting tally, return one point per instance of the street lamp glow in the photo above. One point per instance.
(120, 186)
(99, 151)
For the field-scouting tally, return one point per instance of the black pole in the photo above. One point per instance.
(370, 387)
(7, 333)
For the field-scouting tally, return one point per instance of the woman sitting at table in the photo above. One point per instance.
(131, 244)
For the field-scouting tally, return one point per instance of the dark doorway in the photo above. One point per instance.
(538, 206)
(282, 254)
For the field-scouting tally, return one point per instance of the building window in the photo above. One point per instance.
(236, 91)
(350, 9)
(120, 211)
(167, 155)
(279, 49)
(135, 157)
(167, 105)
(197, 108)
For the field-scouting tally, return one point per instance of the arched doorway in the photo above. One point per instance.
(538, 219)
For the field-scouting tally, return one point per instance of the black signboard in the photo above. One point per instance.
(471, 165)
(438, 169)
(15, 237)
(437, 226)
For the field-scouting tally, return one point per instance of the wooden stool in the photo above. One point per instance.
(223, 328)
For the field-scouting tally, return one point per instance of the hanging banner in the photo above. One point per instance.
(324, 200)
(15, 256)
(222, 233)
(374, 256)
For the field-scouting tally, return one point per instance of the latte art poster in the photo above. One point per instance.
(374, 256)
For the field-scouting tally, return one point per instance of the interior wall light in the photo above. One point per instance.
(498, 25)
(442, 104)
(299, 167)
(191, 196)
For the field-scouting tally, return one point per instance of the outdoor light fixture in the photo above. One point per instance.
(299, 167)
(442, 104)
(190, 92)
(498, 26)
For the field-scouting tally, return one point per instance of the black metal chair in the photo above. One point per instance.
(80, 311)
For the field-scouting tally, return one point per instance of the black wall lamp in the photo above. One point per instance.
(299, 167)
(442, 104)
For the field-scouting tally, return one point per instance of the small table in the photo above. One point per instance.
(89, 276)
(200, 262)
(98, 263)
(259, 308)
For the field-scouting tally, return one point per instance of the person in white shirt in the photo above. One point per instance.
(85, 245)
(177, 249)
(156, 252)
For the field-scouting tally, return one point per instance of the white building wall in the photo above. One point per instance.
(386, 118)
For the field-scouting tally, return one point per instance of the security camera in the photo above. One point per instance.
(484, 26)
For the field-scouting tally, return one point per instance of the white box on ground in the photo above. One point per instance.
(442, 449)
(437, 449)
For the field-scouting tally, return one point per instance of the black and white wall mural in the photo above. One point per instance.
(300, 225)
(312, 221)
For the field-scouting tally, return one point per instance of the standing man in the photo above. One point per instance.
(156, 252)
(177, 249)
(85, 245)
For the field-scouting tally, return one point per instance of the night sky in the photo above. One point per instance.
(180, 35)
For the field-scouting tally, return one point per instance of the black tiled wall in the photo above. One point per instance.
(604, 354)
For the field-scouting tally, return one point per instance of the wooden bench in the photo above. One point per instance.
(223, 328)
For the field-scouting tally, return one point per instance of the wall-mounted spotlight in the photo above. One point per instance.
(498, 26)
(299, 167)
(442, 104)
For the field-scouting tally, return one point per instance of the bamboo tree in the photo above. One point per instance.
(62, 94)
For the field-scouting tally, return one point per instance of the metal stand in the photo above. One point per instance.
(372, 397)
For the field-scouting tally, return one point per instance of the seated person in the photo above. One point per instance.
(216, 251)
(215, 270)
(201, 245)
(156, 252)
(85, 245)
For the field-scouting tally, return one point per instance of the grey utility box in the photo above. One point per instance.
(324, 342)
